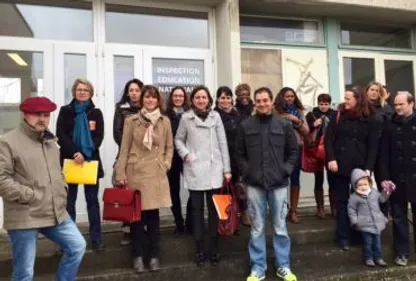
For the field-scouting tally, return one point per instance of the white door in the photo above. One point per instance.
(122, 63)
(167, 67)
(397, 72)
(25, 71)
(72, 61)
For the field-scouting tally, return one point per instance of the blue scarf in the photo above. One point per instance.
(291, 109)
(82, 135)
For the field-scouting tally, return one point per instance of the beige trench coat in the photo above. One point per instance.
(146, 170)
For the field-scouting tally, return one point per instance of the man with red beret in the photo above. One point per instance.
(34, 193)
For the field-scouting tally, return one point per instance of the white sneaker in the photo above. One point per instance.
(286, 274)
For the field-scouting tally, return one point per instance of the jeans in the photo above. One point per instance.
(258, 199)
(401, 228)
(197, 202)
(93, 208)
(141, 238)
(341, 186)
(66, 235)
(372, 246)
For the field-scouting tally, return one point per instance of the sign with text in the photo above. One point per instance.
(169, 73)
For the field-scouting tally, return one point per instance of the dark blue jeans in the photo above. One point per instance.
(399, 213)
(341, 186)
(372, 246)
(93, 208)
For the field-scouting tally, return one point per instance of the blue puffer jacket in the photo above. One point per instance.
(364, 210)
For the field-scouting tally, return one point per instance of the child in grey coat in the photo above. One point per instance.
(365, 214)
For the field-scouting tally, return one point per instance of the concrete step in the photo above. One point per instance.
(309, 262)
(173, 248)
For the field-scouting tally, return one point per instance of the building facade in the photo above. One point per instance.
(314, 46)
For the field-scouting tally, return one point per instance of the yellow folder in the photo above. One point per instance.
(85, 173)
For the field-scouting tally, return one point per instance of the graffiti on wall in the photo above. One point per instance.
(306, 71)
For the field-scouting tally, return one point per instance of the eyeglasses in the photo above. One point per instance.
(243, 94)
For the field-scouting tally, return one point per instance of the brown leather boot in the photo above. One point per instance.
(332, 202)
(320, 204)
(294, 199)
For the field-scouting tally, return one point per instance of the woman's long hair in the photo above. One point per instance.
(363, 107)
(279, 102)
(125, 97)
(382, 94)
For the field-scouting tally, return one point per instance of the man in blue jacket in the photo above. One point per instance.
(267, 151)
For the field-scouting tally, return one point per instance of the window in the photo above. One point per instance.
(47, 22)
(378, 36)
(270, 30)
(21, 76)
(137, 25)
(123, 72)
(358, 71)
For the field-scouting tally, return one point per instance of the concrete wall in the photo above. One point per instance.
(227, 40)
(408, 5)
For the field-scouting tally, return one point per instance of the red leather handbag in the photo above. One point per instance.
(310, 163)
(227, 227)
(122, 204)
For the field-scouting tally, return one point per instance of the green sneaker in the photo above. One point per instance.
(286, 274)
(254, 276)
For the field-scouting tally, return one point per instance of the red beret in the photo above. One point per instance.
(37, 105)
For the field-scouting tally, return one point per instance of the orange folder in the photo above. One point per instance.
(221, 202)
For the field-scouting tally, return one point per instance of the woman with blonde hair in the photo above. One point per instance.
(145, 158)
(80, 132)
(377, 97)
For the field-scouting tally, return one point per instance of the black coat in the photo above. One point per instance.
(65, 128)
(267, 151)
(245, 110)
(315, 114)
(398, 157)
(352, 141)
(120, 114)
(231, 121)
(383, 115)
(175, 118)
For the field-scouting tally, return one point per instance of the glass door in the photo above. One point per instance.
(358, 68)
(73, 61)
(167, 67)
(25, 71)
(399, 73)
(122, 63)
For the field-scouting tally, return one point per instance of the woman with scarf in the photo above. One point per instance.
(377, 96)
(244, 104)
(80, 132)
(128, 105)
(202, 144)
(144, 160)
(317, 120)
(288, 105)
(177, 105)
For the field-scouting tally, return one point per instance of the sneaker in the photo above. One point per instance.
(254, 276)
(286, 274)
(381, 262)
(369, 263)
(401, 261)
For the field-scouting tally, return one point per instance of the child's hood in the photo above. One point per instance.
(356, 175)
